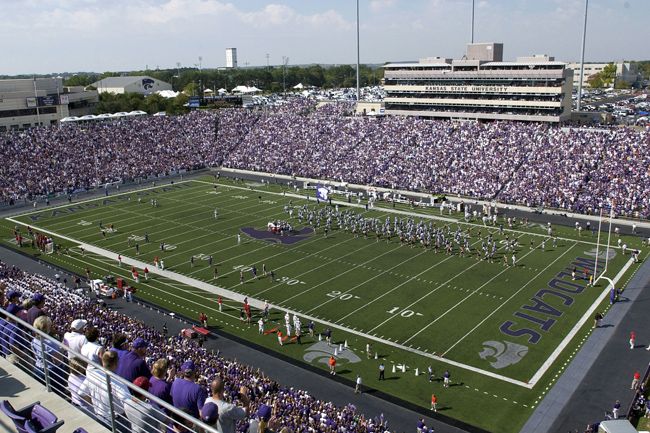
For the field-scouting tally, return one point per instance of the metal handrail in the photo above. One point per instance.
(199, 425)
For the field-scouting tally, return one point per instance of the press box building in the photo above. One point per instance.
(480, 86)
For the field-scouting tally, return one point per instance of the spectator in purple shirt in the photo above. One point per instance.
(36, 310)
(119, 345)
(132, 364)
(186, 393)
(161, 380)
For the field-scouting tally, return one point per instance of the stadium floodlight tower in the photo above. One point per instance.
(582, 58)
(472, 35)
(358, 56)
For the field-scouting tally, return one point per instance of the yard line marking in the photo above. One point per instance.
(464, 299)
(259, 304)
(104, 197)
(318, 267)
(508, 300)
(407, 281)
(412, 214)
(345, 272)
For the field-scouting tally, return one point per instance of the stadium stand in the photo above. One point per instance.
(76, 317)
(578, 170)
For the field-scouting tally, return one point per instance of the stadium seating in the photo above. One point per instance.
(32, 419)
(532, 164)
(298, 409)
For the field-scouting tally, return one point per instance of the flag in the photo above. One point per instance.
(322, 193)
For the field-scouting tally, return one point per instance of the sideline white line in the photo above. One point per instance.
(238, 297)
(588, 314)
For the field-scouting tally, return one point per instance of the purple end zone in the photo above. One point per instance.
(266, 235)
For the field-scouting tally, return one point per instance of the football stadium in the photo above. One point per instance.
(470, 258)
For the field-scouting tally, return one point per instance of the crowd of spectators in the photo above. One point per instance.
(532, 164)
(50, 160)
(136, 351)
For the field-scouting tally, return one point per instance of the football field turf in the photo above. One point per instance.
(504, 332)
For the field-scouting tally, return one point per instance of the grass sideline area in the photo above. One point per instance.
(418, 308)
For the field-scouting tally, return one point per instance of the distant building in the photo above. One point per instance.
(25, 103)
(231, 57)
(625, 71)
(480, 86)
(131, 84)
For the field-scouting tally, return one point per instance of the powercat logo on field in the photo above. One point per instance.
(504, 353)
(321, 352)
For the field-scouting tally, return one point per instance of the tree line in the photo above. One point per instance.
(269, 79)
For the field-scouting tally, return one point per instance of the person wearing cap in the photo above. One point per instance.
(144, 417)
(263, 423)
(186, 393)
(132, 364)
(75, 338)
(229, 414)
(210, 414)
(37, 309)
(13, 298)
(119, 342)
(12, 337)
(95, 392)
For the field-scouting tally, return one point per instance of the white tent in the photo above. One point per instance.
(222, 90)
(245, 89)
(299, 86)
(207, 91)
(168, 93)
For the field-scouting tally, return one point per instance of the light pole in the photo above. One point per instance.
(285, 61)
(472, 39)
(358, 55)
(582, 58)
(58, 101)
(38, 113)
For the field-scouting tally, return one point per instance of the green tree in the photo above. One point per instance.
(191, 89)
(595, 81)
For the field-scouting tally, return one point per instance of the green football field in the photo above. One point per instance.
(504, 332)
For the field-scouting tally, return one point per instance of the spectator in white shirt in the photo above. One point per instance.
(75, 339)
(95, 391)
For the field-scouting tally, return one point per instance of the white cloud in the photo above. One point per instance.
(380, 5)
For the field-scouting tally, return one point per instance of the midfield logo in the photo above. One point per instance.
(504, 353)
(287, 239)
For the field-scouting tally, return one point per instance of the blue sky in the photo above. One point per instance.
(41, 36)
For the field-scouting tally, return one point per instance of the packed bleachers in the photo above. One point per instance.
(532, 164)
(294, 408)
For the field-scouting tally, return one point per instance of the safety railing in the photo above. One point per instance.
(106, 397)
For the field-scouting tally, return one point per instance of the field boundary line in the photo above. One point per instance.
(238, 297)
(585, 317)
